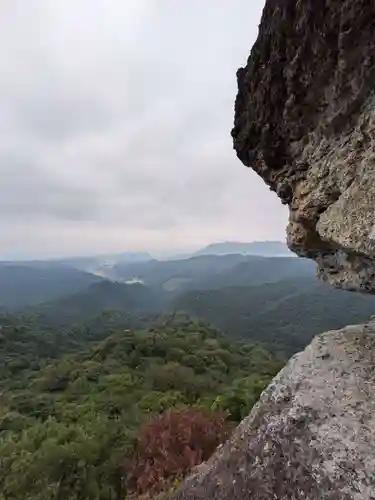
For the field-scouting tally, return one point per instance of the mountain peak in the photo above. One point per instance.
(261, 248)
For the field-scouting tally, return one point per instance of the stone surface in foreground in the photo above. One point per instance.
(312, 434)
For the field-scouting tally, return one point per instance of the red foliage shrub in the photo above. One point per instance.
(171, 444)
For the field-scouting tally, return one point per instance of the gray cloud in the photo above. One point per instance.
(114, 131)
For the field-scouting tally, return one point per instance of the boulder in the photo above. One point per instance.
(311, 435)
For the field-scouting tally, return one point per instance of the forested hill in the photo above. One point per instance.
(131, 300)
(285, 315)
(214, 271)
(87, 426)
(22, 285)
(257, 298)
(90, 380)
(31, 283)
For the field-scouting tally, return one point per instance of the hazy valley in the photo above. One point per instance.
(94, 367)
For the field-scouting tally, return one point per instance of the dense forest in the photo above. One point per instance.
(285, 316)
(116, 388)
(86, 424)
(22, 285)
(276, 301)
(214, 271)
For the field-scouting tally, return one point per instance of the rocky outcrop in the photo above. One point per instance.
(311, 436)
(305, 122)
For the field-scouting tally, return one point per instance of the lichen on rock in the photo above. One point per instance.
(311, 435)
(305, 122)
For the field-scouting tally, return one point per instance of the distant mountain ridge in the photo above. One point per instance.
(28, 284)
(275, 300)
(213, 271)
(22, 285)
(89, 262)
(285, 315)
(99, 265)
(261, 248)
(97, 298)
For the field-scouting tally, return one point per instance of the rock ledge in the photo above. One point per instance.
(311, 436)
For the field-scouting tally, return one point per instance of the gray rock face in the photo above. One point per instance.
(311, 436)
(305, 122)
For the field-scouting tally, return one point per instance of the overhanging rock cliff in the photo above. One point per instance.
(305, 122)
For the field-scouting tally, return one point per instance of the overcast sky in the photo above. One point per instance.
(115, 127)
